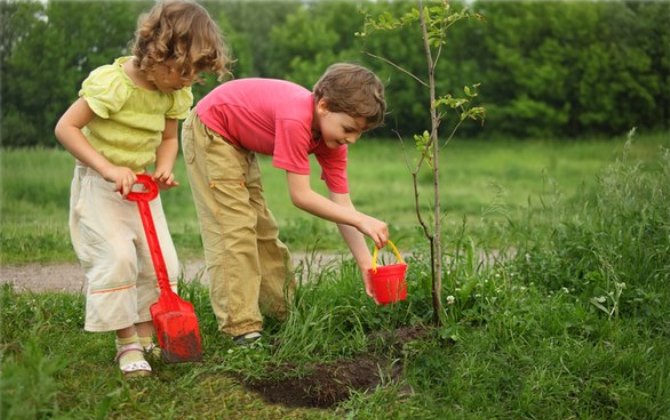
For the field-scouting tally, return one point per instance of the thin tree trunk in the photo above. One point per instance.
(436, 242)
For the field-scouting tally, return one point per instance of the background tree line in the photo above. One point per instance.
(546, 69)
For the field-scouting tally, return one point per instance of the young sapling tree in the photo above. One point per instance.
(434, 22)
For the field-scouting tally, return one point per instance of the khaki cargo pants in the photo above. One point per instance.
(248, 266)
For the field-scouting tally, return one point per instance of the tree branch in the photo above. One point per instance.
(387, 61)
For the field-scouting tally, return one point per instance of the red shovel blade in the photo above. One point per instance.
(176, 329)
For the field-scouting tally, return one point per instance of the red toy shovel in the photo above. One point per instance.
(174, 318)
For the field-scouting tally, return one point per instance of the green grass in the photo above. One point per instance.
(573, 324)
(485, 183)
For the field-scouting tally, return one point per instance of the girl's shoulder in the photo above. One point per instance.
(112, 74)
(107, 87)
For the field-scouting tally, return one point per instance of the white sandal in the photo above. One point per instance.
(132, 369)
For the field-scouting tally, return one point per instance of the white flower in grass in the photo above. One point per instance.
(450, 300)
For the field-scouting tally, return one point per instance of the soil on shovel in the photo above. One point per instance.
(327, 384)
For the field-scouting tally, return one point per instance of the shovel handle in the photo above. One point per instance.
(150, 189)
(143, 198)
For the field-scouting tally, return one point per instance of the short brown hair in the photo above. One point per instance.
(354, 90)
(181, 30)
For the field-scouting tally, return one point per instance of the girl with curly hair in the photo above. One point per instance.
(125, 123)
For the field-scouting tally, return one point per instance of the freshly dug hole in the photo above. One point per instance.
(327, 384)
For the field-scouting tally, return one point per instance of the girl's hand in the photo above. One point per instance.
(164, 179)
(122, 177)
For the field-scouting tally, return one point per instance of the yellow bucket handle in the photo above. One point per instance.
(393, 248)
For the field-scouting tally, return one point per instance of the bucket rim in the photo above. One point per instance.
(388, 266)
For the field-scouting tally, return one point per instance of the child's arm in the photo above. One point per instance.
(68, 132)
(306, 199)
(355, 241)
(166, 154)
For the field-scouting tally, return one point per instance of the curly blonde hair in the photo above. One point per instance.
(354, 90)
(183, 31)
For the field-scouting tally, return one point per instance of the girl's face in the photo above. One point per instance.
(166, 78)
(337, 128)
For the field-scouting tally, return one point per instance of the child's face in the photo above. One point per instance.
(167, 78)
(338, 128)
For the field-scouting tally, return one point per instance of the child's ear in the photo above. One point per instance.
(322, 106)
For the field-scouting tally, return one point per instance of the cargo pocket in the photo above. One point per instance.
(225, 163)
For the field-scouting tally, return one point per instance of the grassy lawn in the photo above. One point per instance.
(487, 184)
(574, 324)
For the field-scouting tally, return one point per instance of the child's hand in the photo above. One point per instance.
(164, 179)
(367, 281)
(376, 229)
(122, 177)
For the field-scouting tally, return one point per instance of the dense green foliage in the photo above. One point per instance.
(47, 52)
(572, 324)
(560, 69)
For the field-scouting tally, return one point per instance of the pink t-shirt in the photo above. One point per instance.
(273, 117)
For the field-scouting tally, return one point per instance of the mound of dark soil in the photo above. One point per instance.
(326, 384)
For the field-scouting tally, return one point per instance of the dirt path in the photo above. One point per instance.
(69, 277)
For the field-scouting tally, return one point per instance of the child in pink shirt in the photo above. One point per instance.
(248, 265)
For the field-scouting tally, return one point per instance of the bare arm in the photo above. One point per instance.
(166, 154)
(307, 199)
(68, 132)
(355, 241)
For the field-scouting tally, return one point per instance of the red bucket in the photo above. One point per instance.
(388, 282)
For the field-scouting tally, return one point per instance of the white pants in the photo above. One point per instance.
(109, 239)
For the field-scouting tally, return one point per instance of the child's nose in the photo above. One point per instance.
(352, 138)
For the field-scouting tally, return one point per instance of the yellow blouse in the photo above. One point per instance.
(129, 120)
